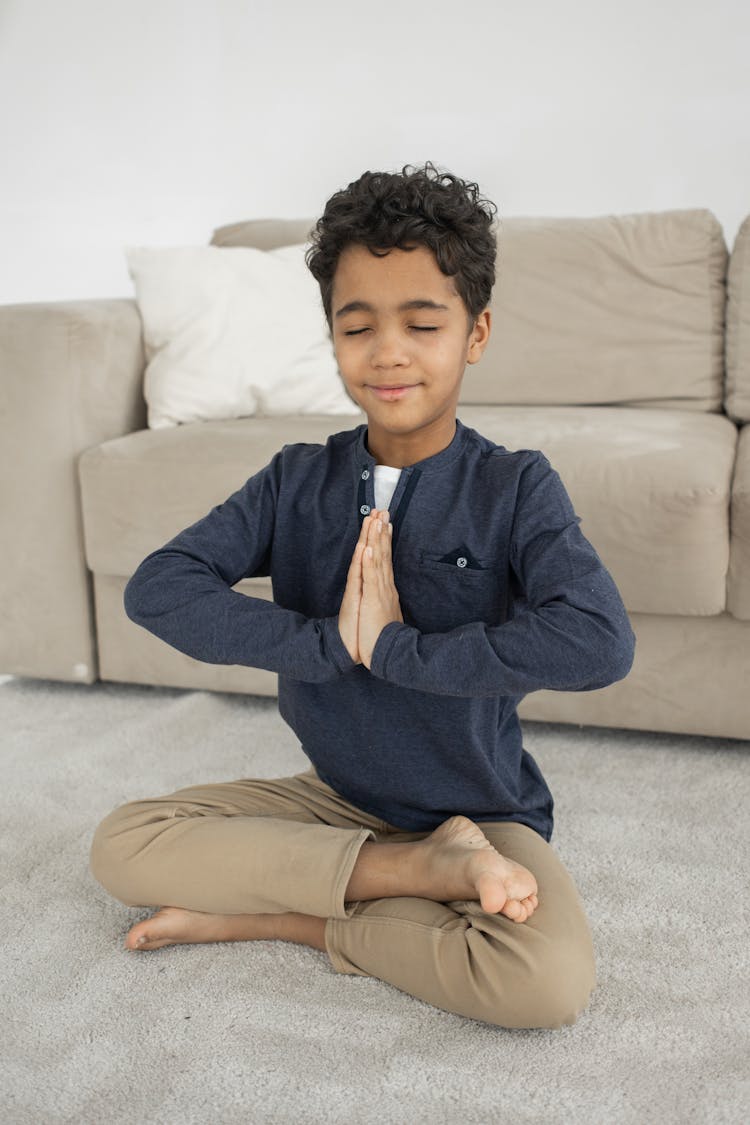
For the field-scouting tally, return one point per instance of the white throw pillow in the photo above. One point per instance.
(233, 331)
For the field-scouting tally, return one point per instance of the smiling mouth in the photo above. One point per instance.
(390, 394)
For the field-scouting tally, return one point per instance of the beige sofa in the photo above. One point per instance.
(620, 347)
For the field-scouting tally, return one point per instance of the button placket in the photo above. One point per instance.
(365, 492)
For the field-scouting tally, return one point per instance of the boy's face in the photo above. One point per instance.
(403, 365)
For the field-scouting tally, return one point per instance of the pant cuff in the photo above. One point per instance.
(345, 873)
(339, 962)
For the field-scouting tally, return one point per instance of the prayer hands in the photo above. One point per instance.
(370, 599)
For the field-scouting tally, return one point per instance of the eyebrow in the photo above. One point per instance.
(418, 303)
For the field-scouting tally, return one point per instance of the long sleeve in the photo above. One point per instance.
(182, 593)
(568, 632)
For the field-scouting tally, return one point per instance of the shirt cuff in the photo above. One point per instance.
(335, 647)
(383, 646)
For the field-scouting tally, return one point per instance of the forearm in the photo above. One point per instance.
(555, 647)
(182, 602)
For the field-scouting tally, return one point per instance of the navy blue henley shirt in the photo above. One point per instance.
(501, 595)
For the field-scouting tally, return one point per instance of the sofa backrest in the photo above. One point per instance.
(611, 310)
(738, 327)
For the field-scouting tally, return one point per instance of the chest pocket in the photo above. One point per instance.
(446, 590)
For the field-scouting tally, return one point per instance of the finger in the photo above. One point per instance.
(374, 526)
(373, 540)
(386, 532)
(386, 546)
(365, 528)
(371, 561)
(354, 574)
(364, 532)
(381, 538)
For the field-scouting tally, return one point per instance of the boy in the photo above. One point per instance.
(424, 579)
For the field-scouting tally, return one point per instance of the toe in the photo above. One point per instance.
(513, 910)
(144, 944)
(519, 910)
(139, 936)
(529, 904)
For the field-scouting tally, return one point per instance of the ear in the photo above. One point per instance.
(479, 336)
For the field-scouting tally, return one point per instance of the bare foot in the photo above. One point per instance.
(171, 925)
(462, 862)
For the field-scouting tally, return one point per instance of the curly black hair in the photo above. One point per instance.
(417, 206)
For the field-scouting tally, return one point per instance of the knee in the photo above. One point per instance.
(550, 988)
(563, 990)
(108, 854)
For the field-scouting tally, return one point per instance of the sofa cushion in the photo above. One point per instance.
(690, 674)
(615, 309)
(738, 581)
(652, 488)
(263, 234)
(140, 490)
(738, 327)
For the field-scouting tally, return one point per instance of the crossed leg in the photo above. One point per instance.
(430, 913)
(456, 861)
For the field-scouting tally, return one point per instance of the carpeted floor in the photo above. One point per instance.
(653, 828)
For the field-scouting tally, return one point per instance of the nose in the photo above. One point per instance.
(389, 349)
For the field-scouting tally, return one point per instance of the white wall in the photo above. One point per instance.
(151, 122)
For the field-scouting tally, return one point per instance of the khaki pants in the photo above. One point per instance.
(257, 846)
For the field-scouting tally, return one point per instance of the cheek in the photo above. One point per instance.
(343, 359)
(349, 372)
(449, 357)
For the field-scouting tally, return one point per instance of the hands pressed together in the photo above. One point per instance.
(370, 599)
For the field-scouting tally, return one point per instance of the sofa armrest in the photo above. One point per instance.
(70, 377)
(738, 578)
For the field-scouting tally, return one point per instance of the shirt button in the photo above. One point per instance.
(461, 561)
(366, 474)
(365, 509)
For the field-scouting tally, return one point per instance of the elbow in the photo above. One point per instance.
(609, 659)
(131, 599)
(627, 655)
(619, 657)
(623, 647)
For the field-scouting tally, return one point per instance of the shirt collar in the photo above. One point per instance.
(365, 460)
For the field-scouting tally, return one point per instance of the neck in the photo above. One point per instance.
(402, 450)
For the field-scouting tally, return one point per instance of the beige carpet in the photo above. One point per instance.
(653, 828)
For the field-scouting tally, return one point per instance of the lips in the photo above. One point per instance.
(392, 393)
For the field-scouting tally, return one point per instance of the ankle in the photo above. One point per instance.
(305, 929)
(386, 871)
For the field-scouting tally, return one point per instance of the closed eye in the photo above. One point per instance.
(415, 327)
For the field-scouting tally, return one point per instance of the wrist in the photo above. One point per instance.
(381, 650)
(336, 646)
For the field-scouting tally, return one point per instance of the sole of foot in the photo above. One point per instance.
(501, 885)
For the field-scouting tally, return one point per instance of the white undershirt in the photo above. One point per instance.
(386, 479)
